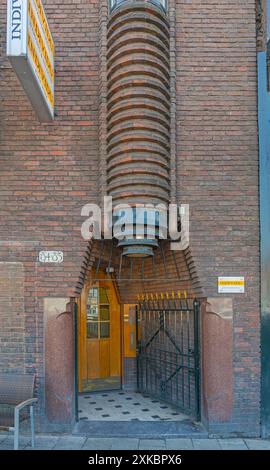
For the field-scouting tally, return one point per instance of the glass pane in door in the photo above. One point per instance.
(92, 330)
(104, 313)
(103, 296)
(104, 329)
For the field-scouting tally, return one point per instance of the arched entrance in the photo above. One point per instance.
(138, 332)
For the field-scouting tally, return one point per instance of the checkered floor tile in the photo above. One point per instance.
(125, 406)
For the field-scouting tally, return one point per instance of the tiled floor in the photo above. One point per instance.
(125, 406)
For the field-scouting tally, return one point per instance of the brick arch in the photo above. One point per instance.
(168, 271)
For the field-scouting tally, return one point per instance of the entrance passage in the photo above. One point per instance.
(99, 338)
(129, 414)
(168, 352)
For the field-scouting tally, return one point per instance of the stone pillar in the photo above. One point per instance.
(59, 362)
(217, 361)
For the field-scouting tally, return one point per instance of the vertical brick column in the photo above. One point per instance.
(59, 362)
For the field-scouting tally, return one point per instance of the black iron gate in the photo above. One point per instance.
(168, 352)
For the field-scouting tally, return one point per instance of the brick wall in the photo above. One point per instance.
(52, 169)
(12, 318)
(217, 169)
(48, 172)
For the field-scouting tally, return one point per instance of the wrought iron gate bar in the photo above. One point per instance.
(173, 342)
(168, 352)
(170, 310)
(166, 304)
(152, 338)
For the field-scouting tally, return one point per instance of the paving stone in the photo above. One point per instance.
(36, 448)
(9, 439)
(206, 444)
(232, 444)
(257, 444)
(70, 443)
(98, 444)
(125, 444)
(152, 444)
(8, 443)
(9, 446)
(179, 444)
(44, 443)
(3, 437)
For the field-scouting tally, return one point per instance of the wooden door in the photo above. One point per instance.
(99, 338)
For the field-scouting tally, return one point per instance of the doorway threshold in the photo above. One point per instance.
(132, 414)
(140, 429)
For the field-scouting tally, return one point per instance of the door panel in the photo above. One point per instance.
(93, 369)
(104, 358)
(99, 337)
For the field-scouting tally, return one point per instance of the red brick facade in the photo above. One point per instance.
(49, 171)
(217, 168)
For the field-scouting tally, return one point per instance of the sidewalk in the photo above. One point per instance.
(69, 442)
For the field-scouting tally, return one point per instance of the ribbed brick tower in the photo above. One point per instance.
(138, 108)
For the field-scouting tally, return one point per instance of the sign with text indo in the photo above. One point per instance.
(30, 49)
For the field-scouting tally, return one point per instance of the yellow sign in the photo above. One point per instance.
(42, 77)
(34, 26)
(231, 285)
(44, 23)
(30, 49)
